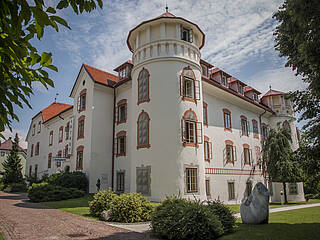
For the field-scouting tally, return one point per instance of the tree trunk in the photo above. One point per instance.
(285, 193)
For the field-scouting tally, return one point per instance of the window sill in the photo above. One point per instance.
(79, 169)
(246, 135)
(228, 129)
(187, 144)
(82, 110)
(121, 122)
(228, 161)
(143, 146)
(205, 124)
(207, 160)
(121, 155)
(194, 191)
(189, 99)
(80, 137)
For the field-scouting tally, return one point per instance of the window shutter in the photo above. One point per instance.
(199, 132)
(224, 156)
(251, 159)
(115, 146)
(248, 124)
(116, 115)
(242, 159)
(183, 131)
(234, 153)
(78, 103)
(69, 148)
(197, 89)
(125, 112)
(70, 128)
(210, 150)
(181, 86)
(191, 35)
(181, 32)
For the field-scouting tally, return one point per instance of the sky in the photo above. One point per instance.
(239, 40)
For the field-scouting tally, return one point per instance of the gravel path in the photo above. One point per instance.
(21, 219)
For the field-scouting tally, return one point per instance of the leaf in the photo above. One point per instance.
(52, 67)
(62, 4)
(51, 10)
(100, 3)
(60, 21)
(45, 57)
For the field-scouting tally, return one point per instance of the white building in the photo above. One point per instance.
(167, 124)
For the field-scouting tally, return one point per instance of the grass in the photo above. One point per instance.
(236, 208)
(78, 206)
(289, 225)
(1, 237)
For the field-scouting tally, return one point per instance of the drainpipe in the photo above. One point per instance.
(260, 123)
(113, 137)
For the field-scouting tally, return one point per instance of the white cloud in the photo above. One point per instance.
(282, 79)
(21, 134)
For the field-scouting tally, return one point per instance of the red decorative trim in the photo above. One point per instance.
(243, 117)
(227, 111)
(228, 142)
(205, 108)
(206, 138)
(81, 118)
(148, 129)
(148, 88)
(83, 91)
(121, 134)
(226, 171)
(194, 86)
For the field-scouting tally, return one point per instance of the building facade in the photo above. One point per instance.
(168, 124)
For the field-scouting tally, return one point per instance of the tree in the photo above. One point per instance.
(298, 39)
(278, 162)
(20, 62)
(12, 165)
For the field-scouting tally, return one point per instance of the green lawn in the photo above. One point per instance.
(78, 206)
(236, 208)
(1, 237)
(295, 224)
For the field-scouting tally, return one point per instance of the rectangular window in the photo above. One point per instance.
(191, 132)
(205, 114)
(37, 149)
(224, 80)
(60, 134)
(255, 97)
(227, 120)
(79, 162)
(82, 102)
(36, 171)
(120, 181)
(231, 191)
(208, 187)
(31, 154)
(51, 138)
(264, 131)
(188, 87)
(186, 34)
(230, 154)
(204, 70)
(81, 128)
(244, 127)
(39, 127)
(143, 180)
(30, 170)
(121, 113)
(255, 128)
(121, 146)
(207, 151)
(293, 188)
(67, 128)
(240, 89)
(247, 156)
(192, 179)
(65, 151)
(49, 160)
(122, 73)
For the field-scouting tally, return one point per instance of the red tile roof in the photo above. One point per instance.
(248, 89)
(215, 70)
(100, 76)
(53, 110)
(206, 63)
(7, 145)
(166, 14)
(273, 93)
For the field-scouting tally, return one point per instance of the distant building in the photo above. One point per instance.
(5, 149)
(169, 123)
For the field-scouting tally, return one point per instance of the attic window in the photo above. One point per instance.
(224, 80)
(255, 97)
(122, 73)
(186, 34)
(240, 89)
(84, 82)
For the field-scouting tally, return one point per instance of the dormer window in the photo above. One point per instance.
(224, 80)
(240, 89)
(255, 97)
(122, 73)
(186, 34)
(204, 71)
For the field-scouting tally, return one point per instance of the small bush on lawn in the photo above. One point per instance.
(70, 180)
(101, 201)
(16, 187)
(130, 207)
(44, 192)
(224, 214)
(178, 218)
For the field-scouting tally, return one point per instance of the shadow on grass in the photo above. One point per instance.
(275, 231)
(125, 235)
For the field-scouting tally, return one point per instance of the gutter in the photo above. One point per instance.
(260, 123)
(113, 137)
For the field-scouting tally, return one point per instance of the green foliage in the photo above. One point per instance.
(298, 39)
(70, 180)
(44, 192)
(16, 187)
(101, 201)
(178, 218)
(20, 62)
(2, 186)
(12, 165)
(224, 214)
(130, 207)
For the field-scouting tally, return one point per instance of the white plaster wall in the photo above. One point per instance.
(278, 187)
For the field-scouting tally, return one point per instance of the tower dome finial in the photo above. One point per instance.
(167, 9)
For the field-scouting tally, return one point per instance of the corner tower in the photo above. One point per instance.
(167, 150)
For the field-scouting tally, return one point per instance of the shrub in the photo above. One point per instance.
(130, 207)
(224, 214)
(70, 180)
(101, 201)
(16, 187)
(2, 186)
(43, 192)
(178, 218)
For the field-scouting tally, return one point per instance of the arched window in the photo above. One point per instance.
(189, 86)
(143, 86)
(191, 129)
(286, 125)
(143, 130)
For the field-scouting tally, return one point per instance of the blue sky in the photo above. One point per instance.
(239, 39)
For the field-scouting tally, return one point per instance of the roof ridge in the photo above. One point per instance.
(99, 69)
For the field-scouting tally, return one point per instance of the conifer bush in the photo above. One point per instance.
(101, 201)
(70, 180)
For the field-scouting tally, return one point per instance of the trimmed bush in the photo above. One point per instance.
(70, 180)
(131, 207)
(101, 201)
(178, 218)
(16, 187)
(224, 214)
(44, 192)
